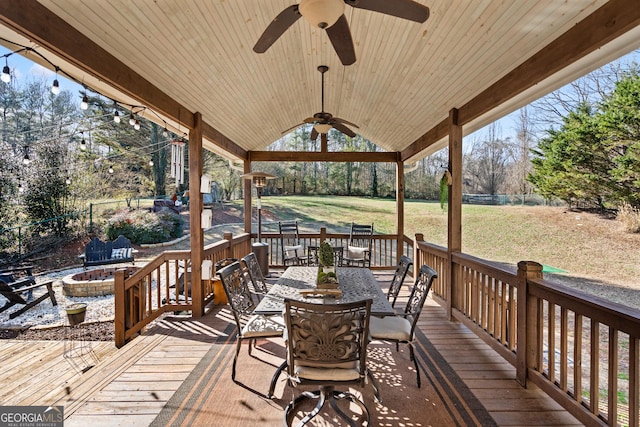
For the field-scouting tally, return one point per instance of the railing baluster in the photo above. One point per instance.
(594, 386)
(612, 395)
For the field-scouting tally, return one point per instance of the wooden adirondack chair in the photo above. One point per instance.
(15, 295)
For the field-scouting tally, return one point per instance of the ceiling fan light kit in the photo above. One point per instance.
(321, 13)
(322, 128)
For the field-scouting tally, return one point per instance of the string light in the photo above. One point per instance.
(20, 187)
(110, 169)
(26, 160)
(84, 105)
(6, 72)
(55, 88)
(68, 180)
(151, 162)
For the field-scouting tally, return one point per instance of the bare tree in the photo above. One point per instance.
(519, 155)
(485, 164)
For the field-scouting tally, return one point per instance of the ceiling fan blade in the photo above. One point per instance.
(314, 134)
(276, 28)
(310, 120)
(340, 37)
(406, 9)
(284, 132)
(345, 122)
(342, 128)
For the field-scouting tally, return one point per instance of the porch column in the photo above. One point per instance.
(399, 209)
(247, 198)
(195, 210)
(454, 226)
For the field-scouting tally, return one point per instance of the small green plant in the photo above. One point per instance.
(325, 254)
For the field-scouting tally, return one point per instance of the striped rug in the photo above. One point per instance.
(208, 397)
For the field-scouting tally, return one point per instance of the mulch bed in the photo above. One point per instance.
(97, 331)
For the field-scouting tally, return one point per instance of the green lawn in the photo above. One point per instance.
(582, 244)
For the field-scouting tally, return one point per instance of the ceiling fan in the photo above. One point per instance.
(329, 15)
(323, 121)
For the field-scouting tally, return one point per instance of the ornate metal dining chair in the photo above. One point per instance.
(401, 328)
(292, 250)
(358, 251)
(402, 269)
(326, 347)
(254, 273)
(249, 326)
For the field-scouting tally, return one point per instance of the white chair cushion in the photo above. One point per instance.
(327, 374)
(390, 328)
(121, 253)
(293, 251)
(354, 252)
(263, 326)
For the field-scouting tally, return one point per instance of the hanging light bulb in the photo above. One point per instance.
(20, 187)
(151, 162)
(110, 169)
(136, 125)
(116, 117)
(68, 180)
(85, 102)
(26, 160)
(132, 121)
(55, 88)
(83, 143)
(6, 72)
(165, 132)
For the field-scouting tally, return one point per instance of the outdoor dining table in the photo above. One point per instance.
(355, 283)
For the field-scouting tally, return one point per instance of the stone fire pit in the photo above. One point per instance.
(92, 283)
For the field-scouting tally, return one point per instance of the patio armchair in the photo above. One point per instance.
(326, 347)
(293, 252)
(402, 269)
(359, 248)
(254, 273)
(401, 328)
(250, 327)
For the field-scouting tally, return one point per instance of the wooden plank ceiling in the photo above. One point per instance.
(406, 78)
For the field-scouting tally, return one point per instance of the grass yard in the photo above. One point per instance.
(585, 245)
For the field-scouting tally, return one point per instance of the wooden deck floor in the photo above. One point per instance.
(129, 386)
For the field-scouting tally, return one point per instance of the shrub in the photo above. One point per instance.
(142, 226)
(629, 217)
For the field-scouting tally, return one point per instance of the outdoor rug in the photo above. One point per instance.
(208, 397)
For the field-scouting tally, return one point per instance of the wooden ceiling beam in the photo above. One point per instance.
(610, 21)
(212, 134)
(44, 28)
(317, 156)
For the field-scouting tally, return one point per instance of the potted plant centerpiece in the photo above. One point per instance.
(327, 278)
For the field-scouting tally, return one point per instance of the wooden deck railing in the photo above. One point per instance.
(383, 251)
(164, 284)
(581, 350)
